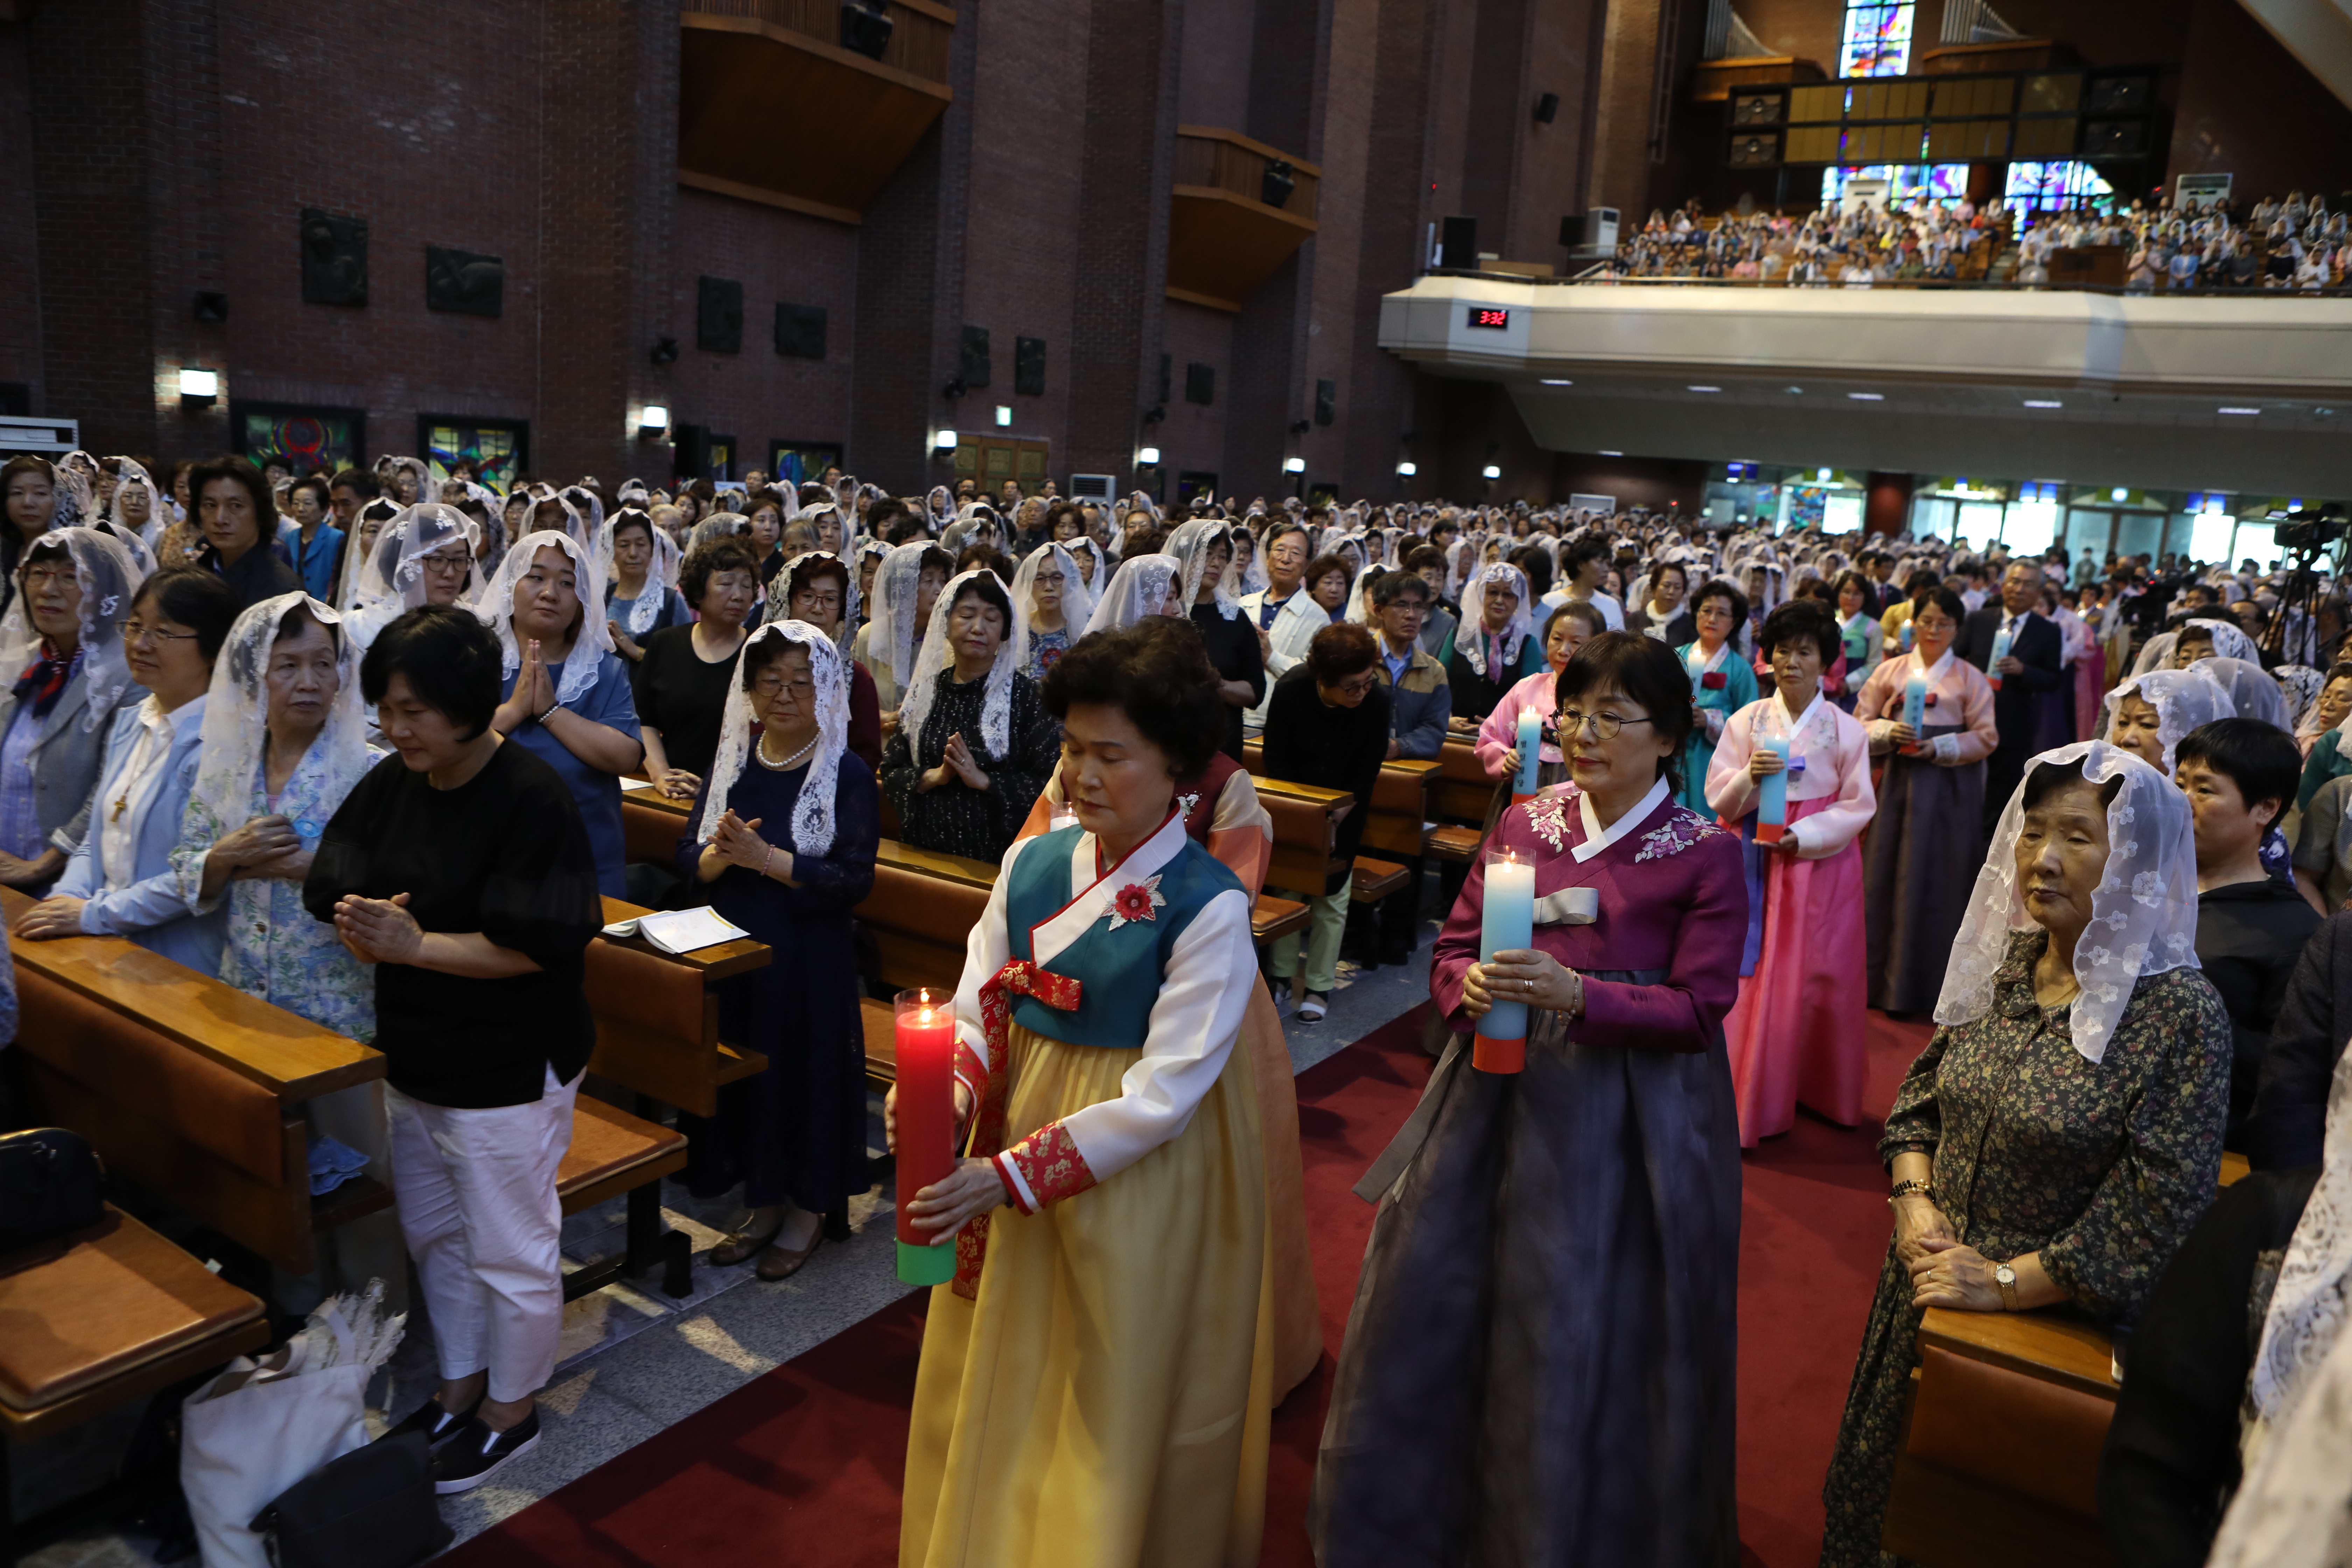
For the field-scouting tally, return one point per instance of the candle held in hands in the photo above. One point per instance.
(1772, 795)
(1915, 708)
(1507, 919)
(925, 1037)
(2000, 640)
(1523, 784)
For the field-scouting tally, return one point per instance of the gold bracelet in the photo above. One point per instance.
(1913, 1186)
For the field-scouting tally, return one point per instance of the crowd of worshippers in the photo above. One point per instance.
(2295, 243)
(258, 726)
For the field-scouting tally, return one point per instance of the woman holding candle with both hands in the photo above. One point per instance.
(1930, 714)
(1567, 629)
(1722, 682)
(1539, 1367)
(1794, 773)
(1100, 1369)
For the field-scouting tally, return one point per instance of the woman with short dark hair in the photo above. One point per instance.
(1544, 1337)
(683, 680)
(463, 873)
(118, 881)
(1095, 1024)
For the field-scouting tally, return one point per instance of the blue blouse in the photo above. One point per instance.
(598, 794)
(150, 911)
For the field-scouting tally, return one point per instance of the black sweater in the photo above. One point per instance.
(1309, 742)
(2250, 936)
(503, 854)
(2288, 1126)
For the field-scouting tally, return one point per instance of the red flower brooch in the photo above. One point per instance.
(1135, 901)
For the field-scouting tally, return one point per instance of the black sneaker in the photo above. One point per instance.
(477, 1453)
(438, 1424)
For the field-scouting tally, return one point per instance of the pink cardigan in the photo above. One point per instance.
(1500, 731)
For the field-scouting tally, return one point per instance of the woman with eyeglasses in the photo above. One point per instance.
(1543, 1340)
(120, 880)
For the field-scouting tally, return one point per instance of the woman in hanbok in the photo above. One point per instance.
(284, 741)
(1721, 682)
(1539, 1366)
(1861, 641)
(1797, 1031)
(1570, 627)
(1923, 853)
(2062, 1133)
(1096, 1382)
(782, 843)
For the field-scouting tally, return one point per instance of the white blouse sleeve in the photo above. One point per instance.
(984, 953)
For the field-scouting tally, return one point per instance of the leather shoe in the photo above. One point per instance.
(741, 1244)
(781, 1263)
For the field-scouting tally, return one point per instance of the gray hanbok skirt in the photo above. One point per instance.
(1925, 847)
(1540, 1364)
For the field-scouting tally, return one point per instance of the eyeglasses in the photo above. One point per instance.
(769, 683)
(1361, 684)
(446, 562)
(134, 630)
(1604, 725)
(42, 577)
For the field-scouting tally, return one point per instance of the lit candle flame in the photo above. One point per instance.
(924, 1017)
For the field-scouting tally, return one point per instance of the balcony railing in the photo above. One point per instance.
(1227, 161)
(921, 32)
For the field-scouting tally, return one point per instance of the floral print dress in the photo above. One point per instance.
(2101, 1168)
(274, 950)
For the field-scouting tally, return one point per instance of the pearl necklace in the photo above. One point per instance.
(761, 751)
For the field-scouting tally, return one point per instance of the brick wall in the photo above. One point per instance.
(20, 250)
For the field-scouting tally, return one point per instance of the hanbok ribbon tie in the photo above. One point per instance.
(1060, 992)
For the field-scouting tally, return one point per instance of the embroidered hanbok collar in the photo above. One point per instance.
(1943, 666)
(1598, 839)
(1794, 726)
(1096, 888)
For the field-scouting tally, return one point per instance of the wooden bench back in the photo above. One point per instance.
(1459, 790)
(919, 922)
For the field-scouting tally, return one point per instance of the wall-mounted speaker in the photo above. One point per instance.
(1547, 108)
(1457, 245)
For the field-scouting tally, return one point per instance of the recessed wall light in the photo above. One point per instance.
(1293, 465)
(1558, 380)
(1492, 471)
(945, 440)
(1608, 453)
(1798, 390)
(1003, 415)
(1703, 389)
(2044, 403)
(1867, 396)
(1408, 468)
(1149, 456)
(2241, 411)
(199, 383)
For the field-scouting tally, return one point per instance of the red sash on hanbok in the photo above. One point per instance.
(1060, 992)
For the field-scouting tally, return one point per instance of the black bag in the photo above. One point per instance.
(373, 1507)
(50, 1183)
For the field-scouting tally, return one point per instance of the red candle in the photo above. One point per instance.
(926, 1111)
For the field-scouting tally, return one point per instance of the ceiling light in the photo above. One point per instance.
(1492, 471)
(944, 441)
(1149, 456)
(2044, 403)
(1407, 468)
(1293, 465)
(203, 385)
(1703, 389)
(2241, 411)
(1003, 415)
(1558, 380)
(1823, 475)
(654, 419)
(1797, 389)
(1867, 396)
(1608, 453)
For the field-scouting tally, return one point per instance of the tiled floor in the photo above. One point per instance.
(633, 1361)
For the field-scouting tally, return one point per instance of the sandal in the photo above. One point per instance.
(740, 1246)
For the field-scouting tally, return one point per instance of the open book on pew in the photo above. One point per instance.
(680, 931)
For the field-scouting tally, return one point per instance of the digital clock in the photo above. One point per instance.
(1487, 316)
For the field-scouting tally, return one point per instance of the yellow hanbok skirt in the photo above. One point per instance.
(1105, 1401)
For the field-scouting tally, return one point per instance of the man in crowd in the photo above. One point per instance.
(2027, 672)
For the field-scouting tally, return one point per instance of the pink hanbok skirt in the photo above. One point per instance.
(1797, 1031)
(2090, 692)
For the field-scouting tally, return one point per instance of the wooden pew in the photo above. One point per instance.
(1399, 823)
(923, 906)
(187, 1085)
(658, 1035)
(650, 824)
(1459, 794)
(103, 1316)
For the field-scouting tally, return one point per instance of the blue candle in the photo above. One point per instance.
(1772, 799)
(1915, 706)
(1523, 785)
(2000, 652)
(1507, 919)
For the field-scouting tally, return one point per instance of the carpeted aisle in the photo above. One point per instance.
(803, 1464)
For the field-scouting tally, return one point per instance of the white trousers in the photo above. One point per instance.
(479, 1210)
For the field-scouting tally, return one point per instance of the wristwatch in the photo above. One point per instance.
(2005, 1277)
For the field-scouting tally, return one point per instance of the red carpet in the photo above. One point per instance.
(804, 1465)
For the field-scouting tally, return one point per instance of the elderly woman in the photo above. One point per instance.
(2066, 1119)
(906, 590)
(638, 599)
(1285, 616)
(464, 877)
(563, 692)
(785, 850)
(1144, 585)
(1575, 1222)
(1721, 681)
(974, 743)
(2148, 714)
(118, 880)
(284, 742)
(2211, 637)
(1050, 589)
(72, 590)
(1485, 660)
(683, 681)
(815, 589)
(1661, 611)
(1204, 551)
(1117, 1156)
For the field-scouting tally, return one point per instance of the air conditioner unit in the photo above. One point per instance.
(1094, 487)
(42, 438)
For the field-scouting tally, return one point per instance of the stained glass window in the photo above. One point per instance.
(1907, 184)
(1877, 40)
(494, 448)
(2048, 187)
(307, 440)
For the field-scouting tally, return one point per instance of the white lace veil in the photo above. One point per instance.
(2230, 640)
(1359, 598)
(2143, 913)
(1472, 648)
(1139, 589)
(936, 663)
(354, 568)
(1078, 599)
(587, 517)
(638, 615)
(2184, 700)
(108, 578)
(898, 583)
(2299, 686)
(395, 567)
(1191, 545)
(813, 823)
(130, 473)
(2155, 654)
(779, 601)
(2252, 690)
(589, 645)
(236, 713)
